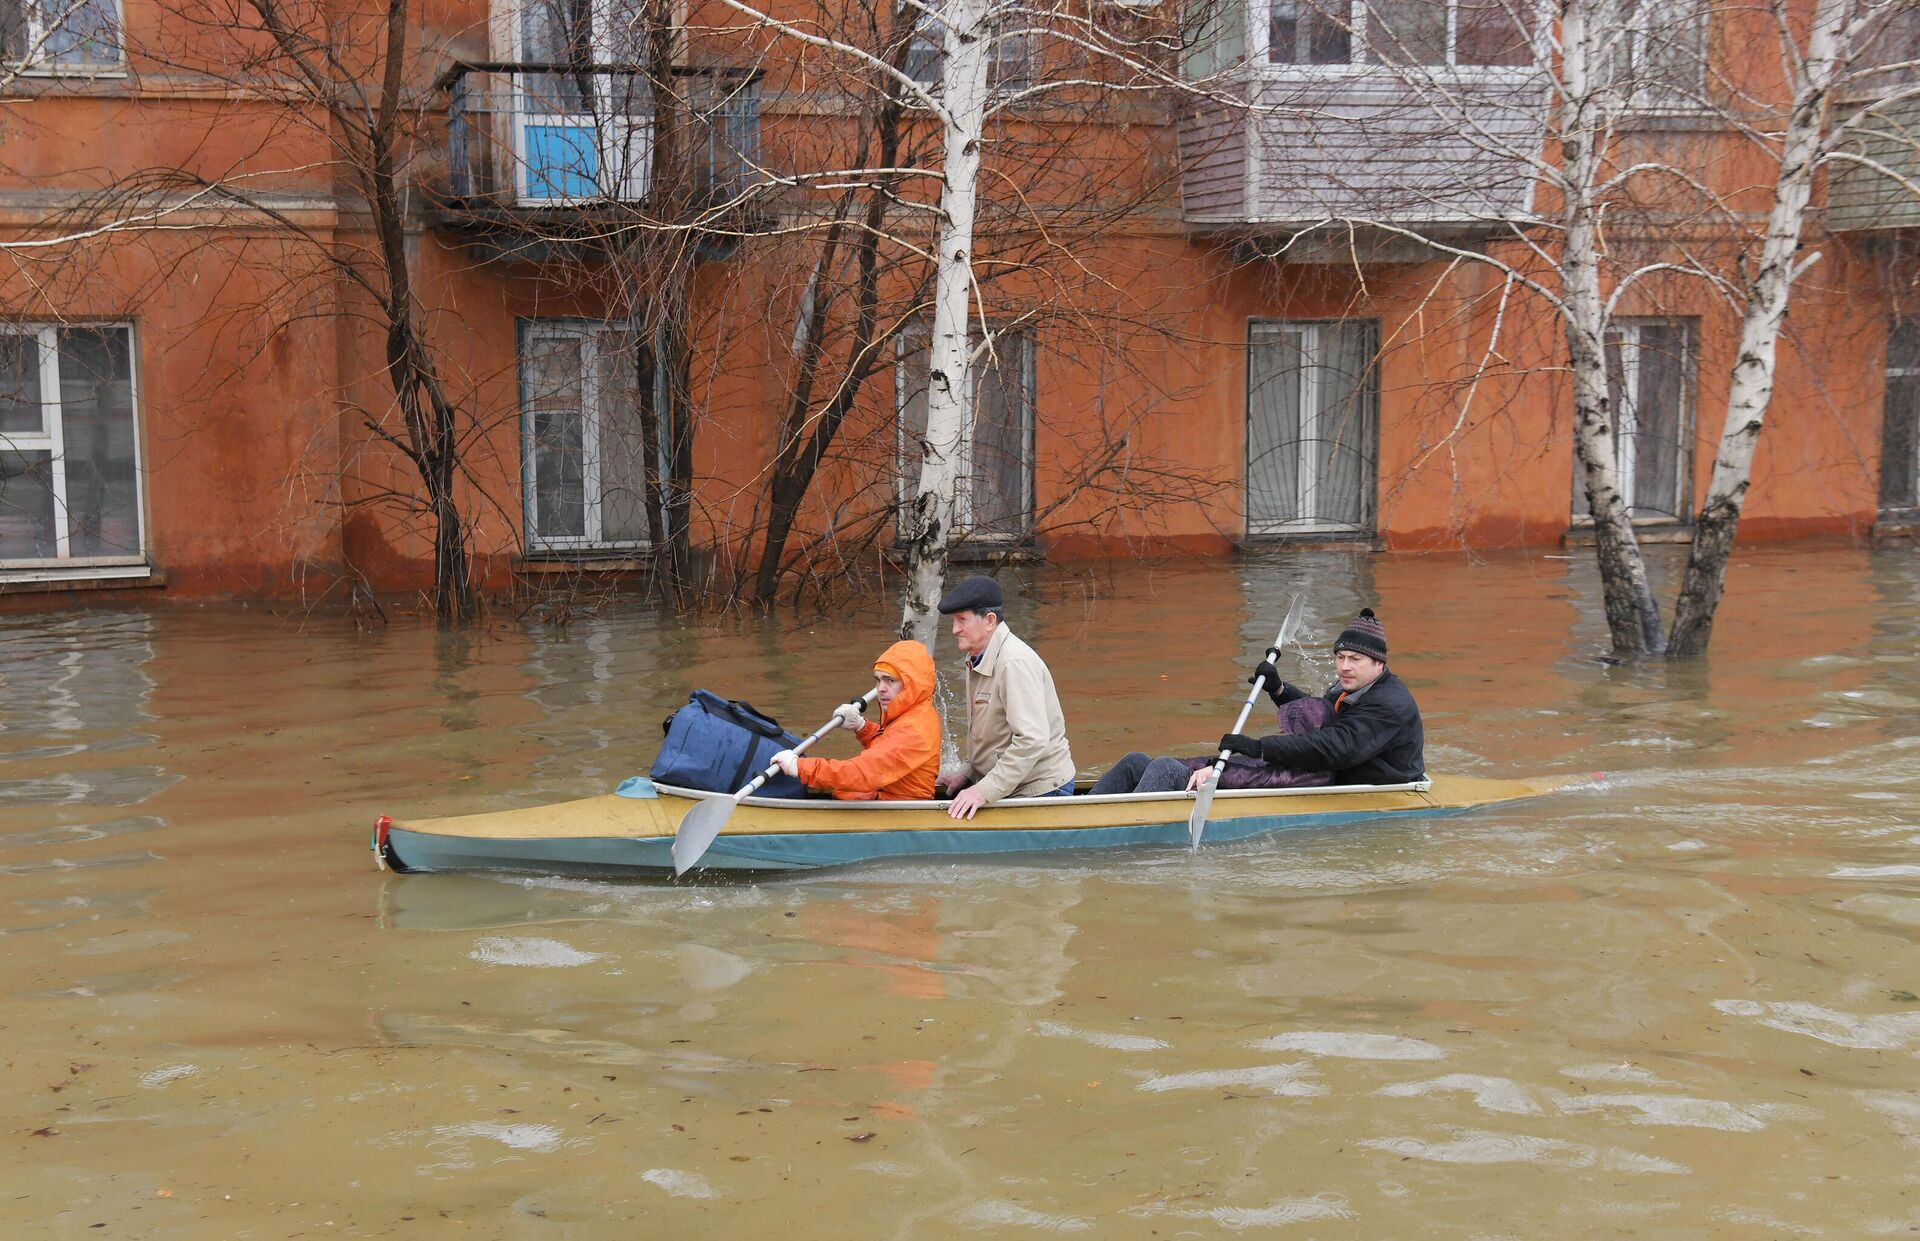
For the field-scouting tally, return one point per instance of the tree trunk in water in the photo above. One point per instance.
(453, 601)
(676, 559)
(646, 381)
(1633, 619)
(1751, 388)
(928, 523)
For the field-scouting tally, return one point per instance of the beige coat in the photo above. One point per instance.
(1016, 732)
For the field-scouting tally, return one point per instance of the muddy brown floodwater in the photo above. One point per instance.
(1680, 1004)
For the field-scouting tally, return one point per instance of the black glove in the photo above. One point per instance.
(1240, 743)
(1273, 685)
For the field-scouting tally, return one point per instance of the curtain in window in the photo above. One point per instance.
(556, 430)
(623, 446)
(1900, 420)
(1659, 409)
(1309, 32)
(1344, 428)
(1649, 385)
(96, 420)
(1274, 370)
(1002, 422)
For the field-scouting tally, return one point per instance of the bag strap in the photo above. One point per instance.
(750, 716)
(747, 769)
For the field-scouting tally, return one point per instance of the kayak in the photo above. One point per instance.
(630, 831)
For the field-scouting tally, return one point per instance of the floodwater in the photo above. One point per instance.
(1682, 1003)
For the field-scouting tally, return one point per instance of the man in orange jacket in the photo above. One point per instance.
(901, 752)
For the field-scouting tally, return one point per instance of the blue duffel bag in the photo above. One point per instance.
(720, 746)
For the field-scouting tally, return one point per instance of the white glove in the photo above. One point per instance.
(788, 762)
(848, 717)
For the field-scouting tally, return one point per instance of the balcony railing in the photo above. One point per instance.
(554, 135)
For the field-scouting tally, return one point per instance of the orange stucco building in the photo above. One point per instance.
(1191, 348)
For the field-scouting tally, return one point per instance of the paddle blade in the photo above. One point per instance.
(698, 830)
(1202, 802)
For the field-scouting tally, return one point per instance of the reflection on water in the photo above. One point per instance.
(1679, 1002)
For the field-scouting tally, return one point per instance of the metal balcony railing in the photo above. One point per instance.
(547, 135)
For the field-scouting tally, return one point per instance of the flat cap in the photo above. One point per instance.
(976, 594)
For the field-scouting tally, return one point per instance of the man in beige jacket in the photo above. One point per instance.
(1016, 732)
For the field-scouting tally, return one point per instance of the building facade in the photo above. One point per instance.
(1289, 303)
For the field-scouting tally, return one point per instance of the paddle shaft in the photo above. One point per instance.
(865, 699)
(1203, 801)
(700, 826)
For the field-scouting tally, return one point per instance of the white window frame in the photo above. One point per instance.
(52, 439)
(1009, 56)
(588, 335)
(1638, 39)
(906, 456)
(1259, 43)
(622, 140)
(36, 62)
(1312, 351)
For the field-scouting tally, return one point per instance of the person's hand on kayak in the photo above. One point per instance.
(966, 802)
(1198, 778)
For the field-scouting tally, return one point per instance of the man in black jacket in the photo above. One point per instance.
(1374, 736)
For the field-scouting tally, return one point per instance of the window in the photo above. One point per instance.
(583, 470)
(995, 495)
(1900, 425)
(1312, 415)
(69, 448)
(1463, 33)
(1890, 53)
(587, 133)
(1215, 36)
(1650, 379)
(1007, 58)
(62, 36)
(1659, 54)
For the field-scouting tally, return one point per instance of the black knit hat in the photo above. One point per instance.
(1364, 636)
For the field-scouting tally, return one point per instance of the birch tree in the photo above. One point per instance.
(1627, 210)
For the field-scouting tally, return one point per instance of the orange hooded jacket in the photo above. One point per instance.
(902, 750)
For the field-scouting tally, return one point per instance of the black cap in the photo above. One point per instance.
(976, 594)
(1364, 636)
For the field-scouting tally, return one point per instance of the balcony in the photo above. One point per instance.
(1860, 197)
(1422, 114)
(563, 151)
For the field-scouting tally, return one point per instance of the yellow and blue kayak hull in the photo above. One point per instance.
(631, 831)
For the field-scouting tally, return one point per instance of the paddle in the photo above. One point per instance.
(1203, 796)
(702, 824)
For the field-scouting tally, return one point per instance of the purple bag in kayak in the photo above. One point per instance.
(1302, 715)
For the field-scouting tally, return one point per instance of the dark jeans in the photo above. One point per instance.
(1142, 773)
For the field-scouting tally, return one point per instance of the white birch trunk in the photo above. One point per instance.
(928, 521)
(1633, 618)
(1750, 390)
